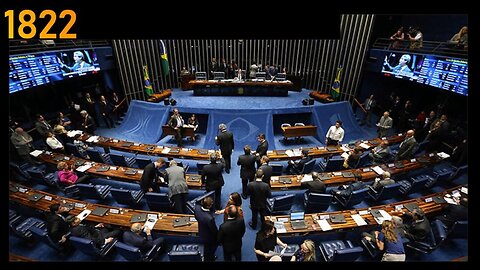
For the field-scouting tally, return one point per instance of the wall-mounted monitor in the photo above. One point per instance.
(34, 69)
(443, 72)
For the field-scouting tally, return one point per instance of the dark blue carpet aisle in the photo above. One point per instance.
(143, 124)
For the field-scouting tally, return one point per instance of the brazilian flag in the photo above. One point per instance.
(336, 84)
(164, 59)
(147, 85)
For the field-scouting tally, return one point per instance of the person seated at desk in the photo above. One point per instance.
(296, 167)
(184, 71)
(455, 212)
(99, 234)
(315, 186)
(53, 142)
(141, 237)
(306, 253)
(385, 180)
(419, 228)
(266, 240)
(352, 160)
(460, 39)
(67, 175)
(193, 122)
(380, 153)
(346, 190)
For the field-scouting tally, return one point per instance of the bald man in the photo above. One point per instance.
(407, 147)
(141, 237)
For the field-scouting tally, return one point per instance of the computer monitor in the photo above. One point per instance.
(281, 77)
(219, 75)
(200, 75)
(261, 75)
(297, 215)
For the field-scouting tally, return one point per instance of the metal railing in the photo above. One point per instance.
(428, 47)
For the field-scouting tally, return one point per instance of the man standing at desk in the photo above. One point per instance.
(335, 134)
(226, 143)
(176, 123)
(261, 148)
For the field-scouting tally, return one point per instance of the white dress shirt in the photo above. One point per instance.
(335, 133)
(54, 143)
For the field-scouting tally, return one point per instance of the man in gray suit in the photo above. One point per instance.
(407, 147)
(384, 125)
(380, 153)
(23, 143)
(381, 183)
(177, 187)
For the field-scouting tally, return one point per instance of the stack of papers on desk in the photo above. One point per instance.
(297, 152)
(93, 139)
(72, 133)
(345, 148)
(324, 225)
(364, 145)
(289, 153)
(378, 170)
(165, 150)
(359, 220)
(84, 167)
(36, 153)
(385, 216)
(443, 155)
(307, 178)
(280, 226)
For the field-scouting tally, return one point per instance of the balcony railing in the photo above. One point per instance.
(428, 47)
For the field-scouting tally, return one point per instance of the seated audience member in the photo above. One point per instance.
(306, 253)
(455, 212)
(80, 145)
(266, 241)
(419, 228)
(42, 126)
(353, 158)
(141, 237)
(380, 153)
(389, 241)
(61, 133)
(416, 38)
(67, 175)
(315, 186)
(64, 121)
(346, 190)
(193, 122)
(296, 167)
(99, 234)
(460, 39)
(385, 180)
(233, 199)
(57, 225)
(407, 147)
(53, 142)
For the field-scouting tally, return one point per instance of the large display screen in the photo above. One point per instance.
(30, 70)
(438, 71)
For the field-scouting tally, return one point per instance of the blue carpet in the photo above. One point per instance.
(245, 116)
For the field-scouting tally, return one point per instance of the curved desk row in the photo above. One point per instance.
(115, 216)
(430, 204)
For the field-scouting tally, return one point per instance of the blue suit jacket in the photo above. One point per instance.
(207, 229)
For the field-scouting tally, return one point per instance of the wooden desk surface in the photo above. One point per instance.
(322, 151)
(267, 83)
(149, 149)
(312, 219)
(336, 178)
(298, 131)
(164, 224)
(118, 174)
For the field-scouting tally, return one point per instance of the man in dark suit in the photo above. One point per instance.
(207, 229)
(346, 190)
(419, 229)
(213, 179)
(247, 169)
(212, 67)
(98, 233)
(407, 147)
(57, 225)
(144, 241)
(266, 169)
(106, 112)
(296, 167)
(42, 126)
(88, 125)
(225, 140)
(455, 212)
(262, 148)
(149, 181)
(315, 186)
(230, 235)
(176, 122)
(259, 191)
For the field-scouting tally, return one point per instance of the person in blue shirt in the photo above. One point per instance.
(402, 68)
(389, 240)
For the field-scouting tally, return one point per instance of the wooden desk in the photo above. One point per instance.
(322, 97)
(157, 97)
(148, 149)
(313, 226)
(118, 174)
(240, 88)
(336, 178)
(322, 151)
(299, 131)
(186, 131)
(164, 225)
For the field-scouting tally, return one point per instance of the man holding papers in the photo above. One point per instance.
(144, 241)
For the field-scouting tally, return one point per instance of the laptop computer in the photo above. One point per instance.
(13, 188)
(285, 180)
(181, 221)
(297, 220)
(99, 211)
(127, 144)
(439, 199)
(142, 217)
(35, 197)
(332, 148)
(130, 172)
(324, 176)
(280, 152)
(376, 213)
(348, 174)
(102, 169)
(411, 206)
(79, 162)
(338, 218)
(399, 164)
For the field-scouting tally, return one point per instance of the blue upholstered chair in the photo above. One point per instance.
(88, 247)
(339, 250)
(316, 202)
(22, 228)
(41, 235)
(459, 229)
(96, 156)
(355, 198)
(385, 193)
(436, 237)
(97, 192)
(125, 196)
(132, 253)
(191, 204)
(186, 253)
(280, 204)
(142, 162)
(158, 201)
(121, 160)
